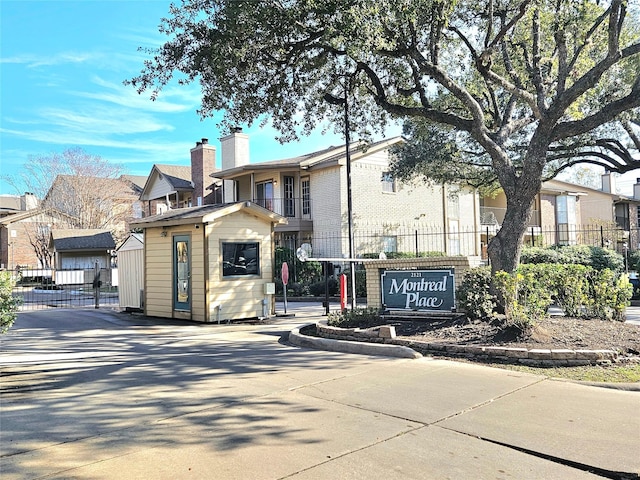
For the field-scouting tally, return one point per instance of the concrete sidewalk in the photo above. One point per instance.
(101, 395)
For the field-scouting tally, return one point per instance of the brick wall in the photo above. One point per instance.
(375, 268)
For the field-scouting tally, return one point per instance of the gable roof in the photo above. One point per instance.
(36, 212)
(559, 187)
(137, 181)
(64, 240)
(11, 203)
(206, 214)
(327, 157)
(177, 178)
(134, 241)
(64, 185)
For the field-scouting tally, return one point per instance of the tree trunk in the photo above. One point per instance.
(504, 249)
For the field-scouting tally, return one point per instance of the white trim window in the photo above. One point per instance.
(388, 182)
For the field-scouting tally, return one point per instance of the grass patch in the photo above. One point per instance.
(629, 373)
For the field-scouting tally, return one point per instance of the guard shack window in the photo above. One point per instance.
(240, 259)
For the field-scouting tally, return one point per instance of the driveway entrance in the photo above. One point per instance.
(95, 394)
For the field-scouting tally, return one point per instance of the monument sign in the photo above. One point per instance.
(418, 289)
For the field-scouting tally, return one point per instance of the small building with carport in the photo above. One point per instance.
(211, 263)
(82, 256)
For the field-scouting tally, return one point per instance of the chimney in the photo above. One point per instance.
(608, 182)
(203, 164)
(235, 153)
(636, 189)
(28, 201)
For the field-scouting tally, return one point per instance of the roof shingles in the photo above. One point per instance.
(82, 239)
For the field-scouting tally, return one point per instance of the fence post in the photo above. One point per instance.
(601, 236)
(417, 252)
(96, 285)
(533, 239)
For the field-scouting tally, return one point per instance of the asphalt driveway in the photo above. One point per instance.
(97, 394)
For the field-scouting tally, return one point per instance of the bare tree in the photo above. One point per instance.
(76, 190)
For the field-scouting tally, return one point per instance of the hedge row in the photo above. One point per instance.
(579, 290)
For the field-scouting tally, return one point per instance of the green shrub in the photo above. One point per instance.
(609, 295)
(9, 304)
(581, 291)
(474, 293)
(303, 272)
(356, 318)
(571, 288)
(596, 257)
(318, 289)
(603, 258)
(634, 260)
(539, 255)
(526, 295)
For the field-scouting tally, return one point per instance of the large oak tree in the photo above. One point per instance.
(521, 87)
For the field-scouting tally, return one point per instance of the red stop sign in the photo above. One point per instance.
(285, 273)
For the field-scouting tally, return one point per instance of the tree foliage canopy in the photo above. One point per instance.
(518, 88)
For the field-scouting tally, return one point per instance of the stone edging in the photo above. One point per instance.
(385, 335)
(350, 346)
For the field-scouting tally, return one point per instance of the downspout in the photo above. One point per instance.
(207, 285)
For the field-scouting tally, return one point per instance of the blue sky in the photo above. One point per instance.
(62, 64)
(62, 68)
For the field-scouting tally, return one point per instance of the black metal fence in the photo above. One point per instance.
(424, 241)
(49, 288)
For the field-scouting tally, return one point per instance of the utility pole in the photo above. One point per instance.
(347, 141)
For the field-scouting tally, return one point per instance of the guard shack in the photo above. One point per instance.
(212, 263)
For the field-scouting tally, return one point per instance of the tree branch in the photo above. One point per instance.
(605, 115)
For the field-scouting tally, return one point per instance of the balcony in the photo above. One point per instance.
(493, 216)
(296, 210)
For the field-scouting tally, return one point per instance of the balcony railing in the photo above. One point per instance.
(495, 216)
(299, 208)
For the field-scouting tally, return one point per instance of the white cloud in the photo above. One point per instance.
(170, 101)
(33, 61)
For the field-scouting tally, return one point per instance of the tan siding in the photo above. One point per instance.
(159, 281)
(238, 297)
(157, 289)
(198, 293)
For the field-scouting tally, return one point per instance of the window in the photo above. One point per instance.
(306, 197)
(388, 182)
(622, 216)
(389, 244)
(289, 200)
(566, 219)
(264, 195)
(240, 259)
(453, 205)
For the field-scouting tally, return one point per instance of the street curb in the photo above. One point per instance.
(345, 346)
(627, 387)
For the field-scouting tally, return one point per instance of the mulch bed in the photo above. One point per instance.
(549, 333)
